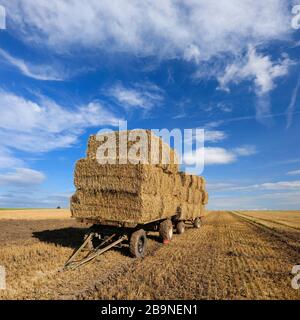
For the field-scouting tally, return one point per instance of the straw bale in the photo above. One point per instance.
(135, 151)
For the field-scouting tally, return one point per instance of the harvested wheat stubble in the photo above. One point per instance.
(135, 193)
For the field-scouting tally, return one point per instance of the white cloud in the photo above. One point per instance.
(22, 177)
(144, 96)
(192, 53)
(39, 72)
(214, 135)
(219, 186)
(211, 136)
(29, 198)
(46, 115)
(281, 185)
(294, 172)
(7, 160)
(164, 28)
(245, 150)
(266, 186)
(211, 156)
(220, 107)
(259, 68)
(224, 107)
(217, 156)
(42, 126)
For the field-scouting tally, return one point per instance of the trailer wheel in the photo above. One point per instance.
(137, 243)
(197, 223)
(180, 227)
(166, 230)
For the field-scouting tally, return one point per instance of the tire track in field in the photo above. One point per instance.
(280, 224)
(289, 235)
(264, 263)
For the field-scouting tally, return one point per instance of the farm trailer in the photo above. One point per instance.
(104, 235)
(125, 202)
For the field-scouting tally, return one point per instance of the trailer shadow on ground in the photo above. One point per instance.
(71, 237)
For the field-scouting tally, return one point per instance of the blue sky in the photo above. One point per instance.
(68, 69)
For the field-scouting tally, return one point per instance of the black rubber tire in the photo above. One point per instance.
(197, 223)
(166, 230)
(180, 227)
(138, 243)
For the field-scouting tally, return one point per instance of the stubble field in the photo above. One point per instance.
(234, 255)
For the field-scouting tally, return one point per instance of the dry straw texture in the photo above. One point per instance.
(135, 193)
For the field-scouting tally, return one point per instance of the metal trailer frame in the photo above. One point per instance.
(109, 234)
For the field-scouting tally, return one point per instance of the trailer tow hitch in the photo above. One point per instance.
(104, 246)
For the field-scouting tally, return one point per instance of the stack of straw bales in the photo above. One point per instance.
(135, 193)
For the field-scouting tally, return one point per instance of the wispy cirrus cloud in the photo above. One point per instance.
(215, 135)
(192, 53)
(144, 96)
(291, 107)
(257, 67)
(30, 198)
(294, 173)
(258, 71)
(265, 186)
(281, 185)
(247, 150)
(211, 136)
(38, 72)
(45, 124)
(8, 160)
(264, 117)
